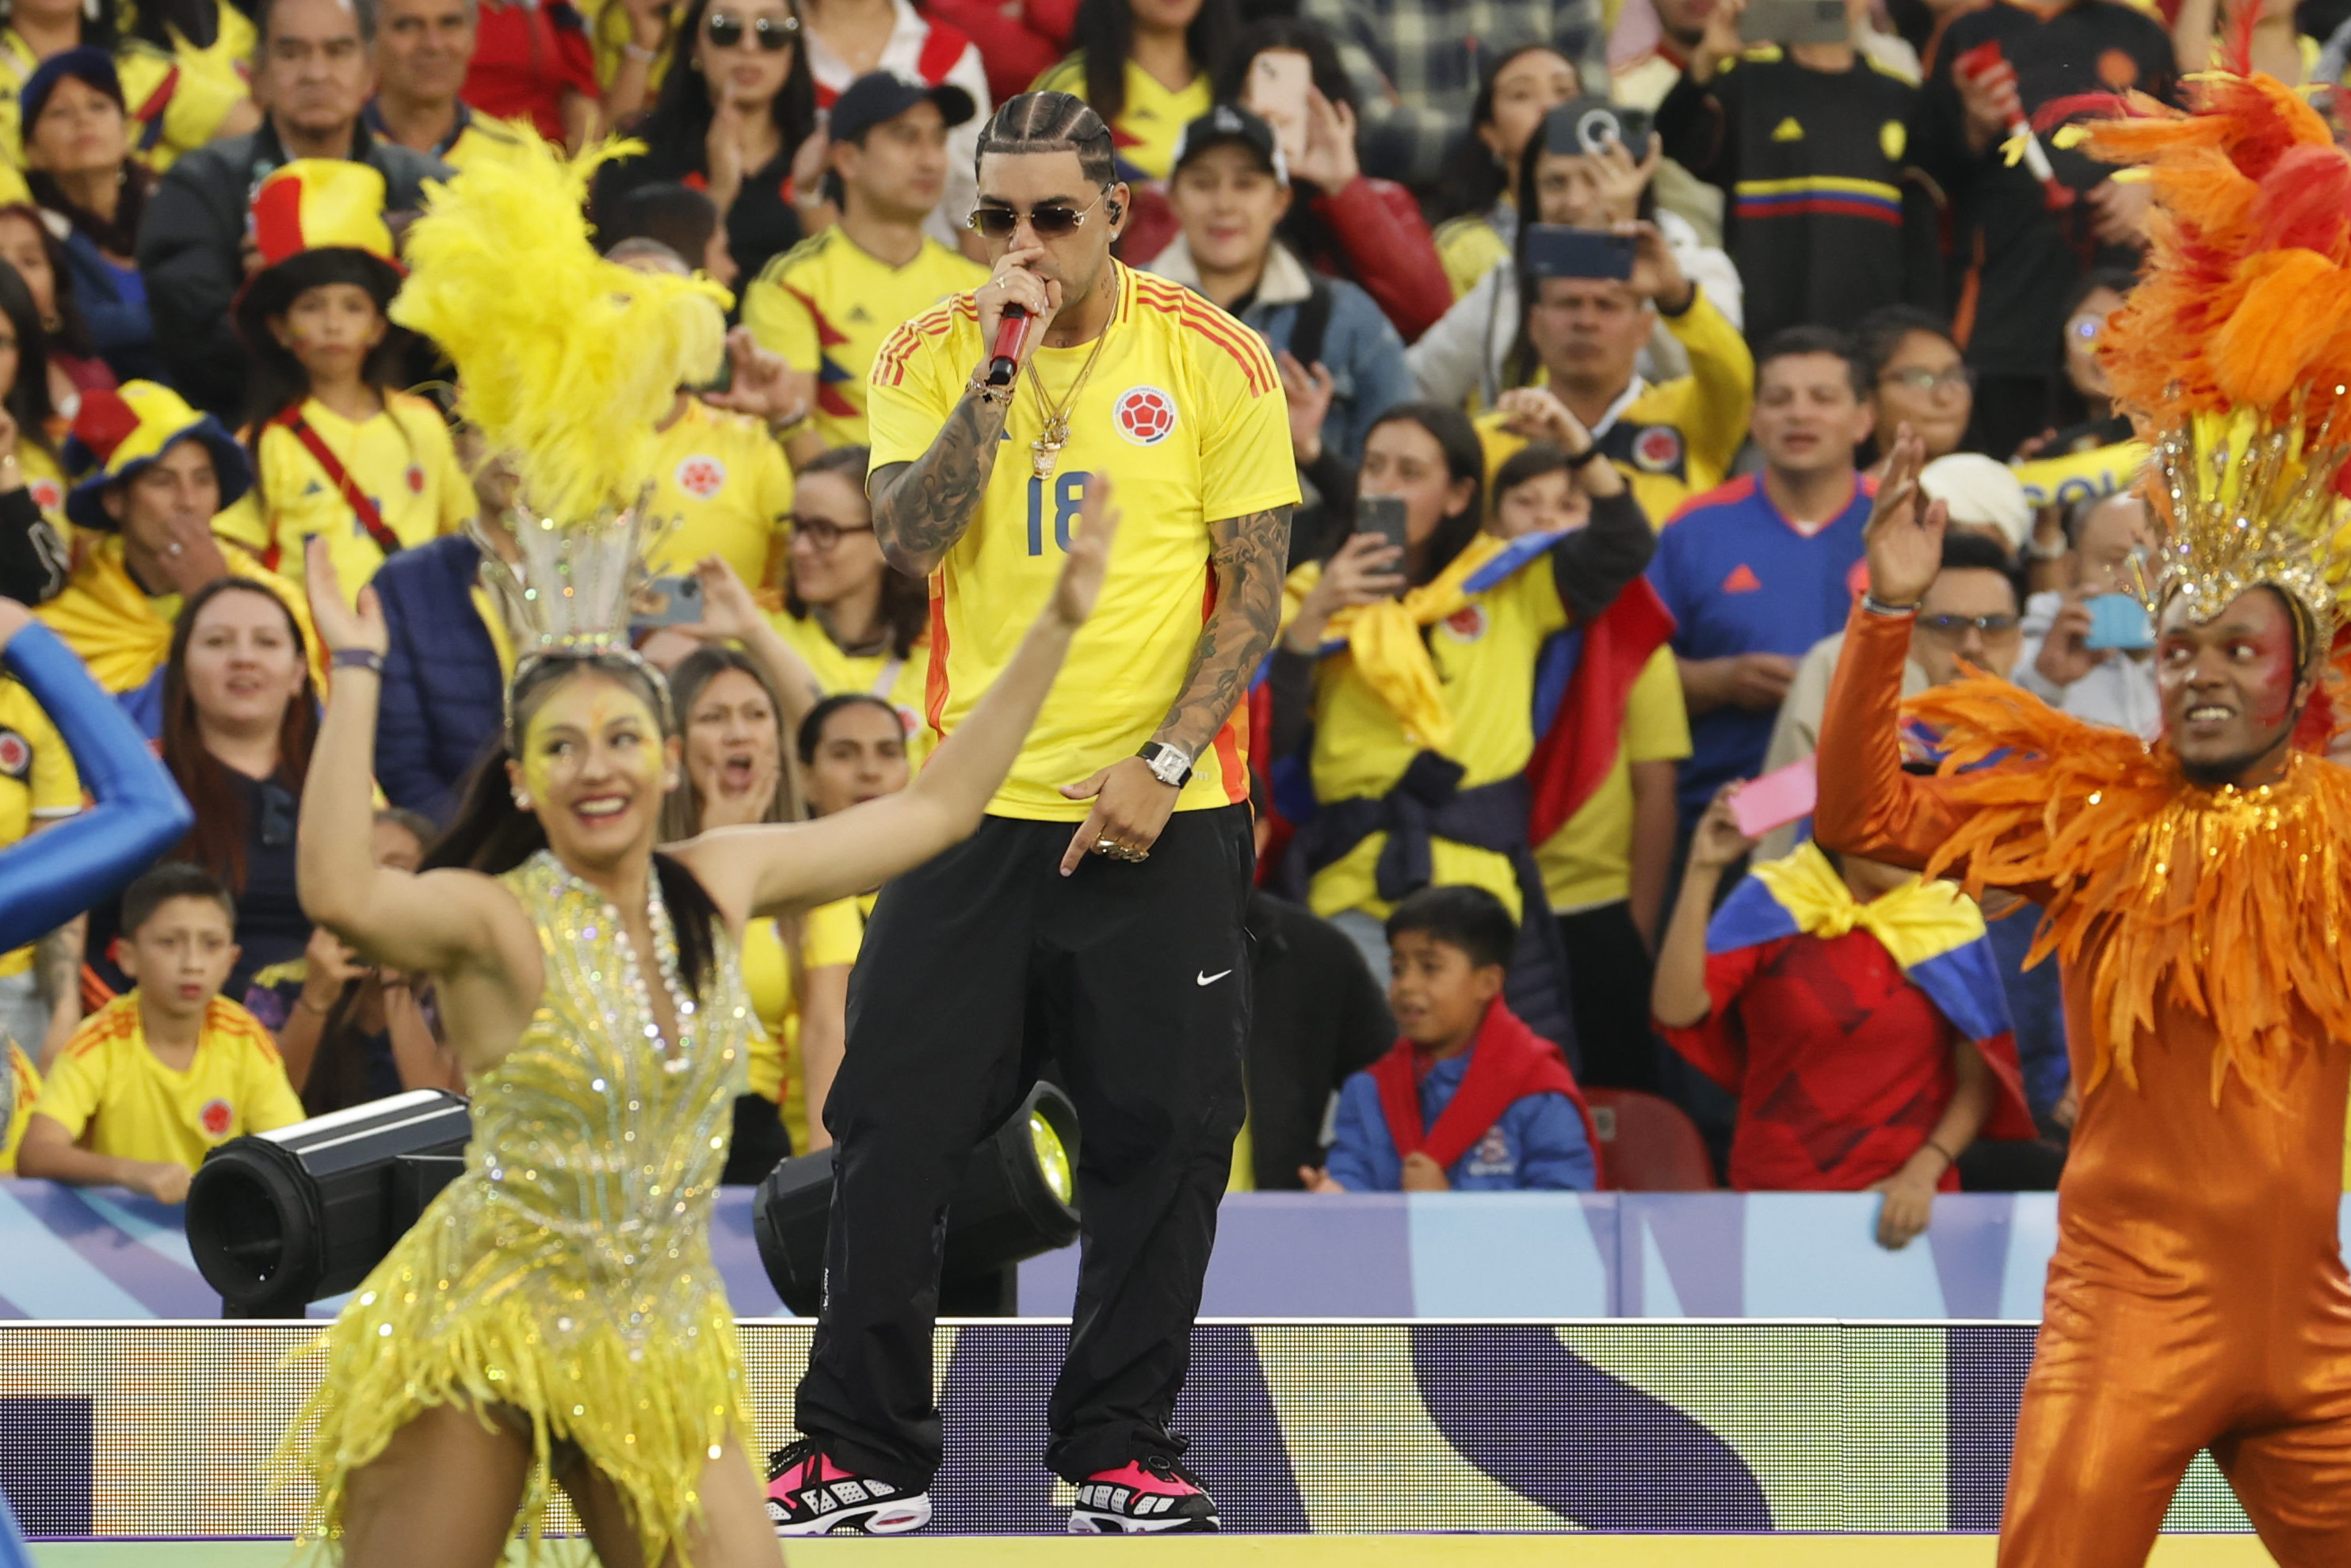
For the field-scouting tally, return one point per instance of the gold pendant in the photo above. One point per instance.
(1046, 448)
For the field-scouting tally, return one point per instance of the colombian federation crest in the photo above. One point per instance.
(1145, 415)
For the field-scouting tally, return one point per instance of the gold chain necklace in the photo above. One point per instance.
(1046, 449)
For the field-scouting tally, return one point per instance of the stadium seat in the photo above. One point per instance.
(1648, 1144)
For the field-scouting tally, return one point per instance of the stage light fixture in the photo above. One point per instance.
(277, 1221)
(1016, 1198)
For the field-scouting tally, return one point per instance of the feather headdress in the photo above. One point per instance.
(2236, 347)
(564, 361)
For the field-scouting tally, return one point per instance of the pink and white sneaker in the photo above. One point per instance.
(1149, 1497)
(807, 1494)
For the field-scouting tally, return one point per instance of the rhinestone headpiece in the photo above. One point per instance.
(571, 594)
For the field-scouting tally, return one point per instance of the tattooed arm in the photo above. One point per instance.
(921, 508)
(1248, 555)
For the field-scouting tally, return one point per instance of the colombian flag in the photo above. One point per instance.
(1931, 929)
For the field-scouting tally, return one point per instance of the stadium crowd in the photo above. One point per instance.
(1595, 319)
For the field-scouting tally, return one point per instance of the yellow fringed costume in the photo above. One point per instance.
(2197, 1298)
(563, 1282)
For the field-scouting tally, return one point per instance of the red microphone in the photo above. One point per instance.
(1012, 336)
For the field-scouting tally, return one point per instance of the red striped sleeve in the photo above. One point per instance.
(1248, 350)
(890, 364)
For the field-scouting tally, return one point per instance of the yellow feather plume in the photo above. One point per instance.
(565, 361)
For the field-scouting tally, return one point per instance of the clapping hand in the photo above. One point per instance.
(1308, 389)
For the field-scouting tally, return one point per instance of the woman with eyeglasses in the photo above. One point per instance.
(736, 116)
(860, 625)
(239, 717)
(1917, 378)
(2084, 410)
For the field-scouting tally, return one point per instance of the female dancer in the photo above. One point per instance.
(555, 1315)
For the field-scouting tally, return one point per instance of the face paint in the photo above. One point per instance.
(2274, 681)
(579, 718)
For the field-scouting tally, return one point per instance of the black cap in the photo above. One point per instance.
(1231, 123)
(878, 95)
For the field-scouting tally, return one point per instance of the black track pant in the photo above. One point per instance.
(1133, 980)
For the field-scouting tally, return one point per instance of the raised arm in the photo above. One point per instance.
(48, 878)
(774, 869)
(441, 921)
(730, 615)
(922, 508)
(1869, 805)
(1592, 565)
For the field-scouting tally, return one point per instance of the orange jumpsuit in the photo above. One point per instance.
(2198, 1297)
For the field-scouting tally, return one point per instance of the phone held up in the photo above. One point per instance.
(667, 601)
(1556, 250)
(1384, 515)
(1585, 125)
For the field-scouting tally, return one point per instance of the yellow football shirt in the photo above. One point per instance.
(827, 304)
(113, 1097)
(899, 682)
(1147, 129)
(402, 459)
(1484, 656)
(1184, 411)
(830, 936)
(177, 99)
(1589, 862)
(37, 782)
(482, 138)
(27, 1085)
(727, 482)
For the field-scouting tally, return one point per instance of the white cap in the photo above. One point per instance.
(1980, 491)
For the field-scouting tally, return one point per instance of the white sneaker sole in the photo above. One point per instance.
(897, 1516)
(1096, 1521)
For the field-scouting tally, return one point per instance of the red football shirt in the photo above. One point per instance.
(526, 57)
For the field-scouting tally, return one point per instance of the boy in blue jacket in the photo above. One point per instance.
(1470, 1100)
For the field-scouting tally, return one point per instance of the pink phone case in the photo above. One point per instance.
(1787, 795)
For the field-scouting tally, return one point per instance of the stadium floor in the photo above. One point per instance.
(1287, 1552)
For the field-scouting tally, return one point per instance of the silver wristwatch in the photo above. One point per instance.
(1168, 763)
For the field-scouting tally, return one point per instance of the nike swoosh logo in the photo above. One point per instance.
(1211, 979)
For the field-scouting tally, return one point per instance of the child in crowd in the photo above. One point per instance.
(166, 1072)
(1469, 1099)
(337, 450)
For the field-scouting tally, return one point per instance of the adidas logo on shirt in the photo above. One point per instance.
(1743, 579)
(1788, 130)
(859, 313)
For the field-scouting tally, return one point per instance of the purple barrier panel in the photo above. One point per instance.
(736, 1253)
(1278, 1255)
(1681, 1255)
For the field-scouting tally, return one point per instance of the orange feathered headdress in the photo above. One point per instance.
(2237, 345)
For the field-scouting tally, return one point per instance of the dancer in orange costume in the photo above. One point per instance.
(2198, 890)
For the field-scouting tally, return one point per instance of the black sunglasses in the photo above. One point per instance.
(775, 35)
(1049, 222)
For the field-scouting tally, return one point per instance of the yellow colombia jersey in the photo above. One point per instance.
(1147, 129)
(27, 1084)
(725, 479)
(1484, 656)
(37, 782)
(1589, 862)
(402, 459)
(111, 1095)
(898, 681)
(827, 304)
(830, 936)
(1185, 412)
(1676, 439)
(177, 101)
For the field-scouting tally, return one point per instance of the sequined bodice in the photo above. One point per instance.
(594, 1128)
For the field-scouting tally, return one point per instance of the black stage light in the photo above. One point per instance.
(277, 1221)
(1015, 1200)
